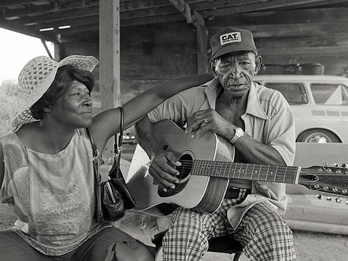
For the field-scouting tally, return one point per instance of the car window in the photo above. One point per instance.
(294, 93)
(330, 94)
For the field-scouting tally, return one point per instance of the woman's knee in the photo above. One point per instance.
(140, 253)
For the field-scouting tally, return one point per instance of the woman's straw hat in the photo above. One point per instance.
(37, 76)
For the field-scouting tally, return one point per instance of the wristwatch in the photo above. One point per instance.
(237, 134)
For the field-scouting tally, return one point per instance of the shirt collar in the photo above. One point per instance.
(254, 106)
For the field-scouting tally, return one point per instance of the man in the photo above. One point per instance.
(259, 123)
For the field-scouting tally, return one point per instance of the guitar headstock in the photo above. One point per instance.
(326, 179)
(329, 198)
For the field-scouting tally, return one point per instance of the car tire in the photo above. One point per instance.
(318, 136)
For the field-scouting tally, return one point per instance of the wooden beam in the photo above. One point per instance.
(14, 26)
(109, 56)
(256, 7)
(306, 51)
(293, 30)
(183, 8)
(148, 12)
(22, 11)
(34, 10)
(73, 22)
(303, 16)
(5, 3)
(221, 4)
(62, 15)
(152, 20)
(318, 4)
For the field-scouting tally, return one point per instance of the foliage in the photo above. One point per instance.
(10, 103)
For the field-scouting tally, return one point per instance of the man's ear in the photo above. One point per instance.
(212, 68)
(258, 63)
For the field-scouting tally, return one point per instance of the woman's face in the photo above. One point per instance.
(74, 108)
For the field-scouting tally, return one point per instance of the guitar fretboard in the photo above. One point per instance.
(270, 173)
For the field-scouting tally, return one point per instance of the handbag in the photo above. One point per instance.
(112, 195)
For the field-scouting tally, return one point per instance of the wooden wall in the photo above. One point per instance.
(296, 36)
(157, 52)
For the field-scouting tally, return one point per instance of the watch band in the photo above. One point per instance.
(238, 133)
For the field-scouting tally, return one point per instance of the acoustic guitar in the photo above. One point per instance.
(207, 166)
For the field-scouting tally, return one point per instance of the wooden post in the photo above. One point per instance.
(109, 58)
(198, 21)
(202, 42)
(202, 57)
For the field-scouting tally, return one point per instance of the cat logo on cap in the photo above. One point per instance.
(232, 37)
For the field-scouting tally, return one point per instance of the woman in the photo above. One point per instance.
(46, 170)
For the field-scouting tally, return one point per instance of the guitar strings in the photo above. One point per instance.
(224, 169)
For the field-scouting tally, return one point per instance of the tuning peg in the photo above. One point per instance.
(344, 191)
(328, 198)
(345, 165)
(336, 165)
(346, 202)
(338, 200)
(320, 196)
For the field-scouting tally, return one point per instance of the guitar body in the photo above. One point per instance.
(202, 193)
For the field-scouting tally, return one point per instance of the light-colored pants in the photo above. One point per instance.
(263, 234)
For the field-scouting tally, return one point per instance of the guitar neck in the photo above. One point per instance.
(229, 170)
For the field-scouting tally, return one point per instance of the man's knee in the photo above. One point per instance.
(263, 217)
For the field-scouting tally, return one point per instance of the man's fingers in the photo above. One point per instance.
(163, 170)
(173, 161)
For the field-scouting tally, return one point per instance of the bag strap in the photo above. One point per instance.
(118, 147)
(95, 157)
(97, 177)
(94, 147)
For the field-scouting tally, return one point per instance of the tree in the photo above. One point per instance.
(10, 104)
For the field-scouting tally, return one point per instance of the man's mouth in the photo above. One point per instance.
(236, 85)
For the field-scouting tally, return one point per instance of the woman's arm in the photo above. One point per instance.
(106, 124)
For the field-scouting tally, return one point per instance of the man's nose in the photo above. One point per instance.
(235, 71)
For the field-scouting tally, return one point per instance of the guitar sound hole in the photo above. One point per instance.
(184, 170)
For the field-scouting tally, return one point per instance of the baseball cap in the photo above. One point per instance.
(230, 40)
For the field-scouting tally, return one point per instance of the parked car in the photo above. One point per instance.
(129, 138)
(319, 104)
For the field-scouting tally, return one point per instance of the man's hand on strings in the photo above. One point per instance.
(163, 169)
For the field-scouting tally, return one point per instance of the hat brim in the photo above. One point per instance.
(232, 49)
(24, 116)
